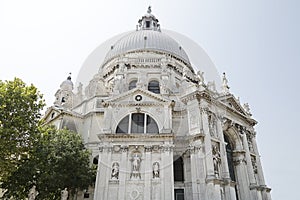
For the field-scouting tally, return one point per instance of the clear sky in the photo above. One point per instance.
(257, 43)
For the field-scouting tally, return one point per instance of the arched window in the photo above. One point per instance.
(229, 152)
(178, 169)
(96, 160)
(123, 125)
(229, 155)
(153, 86)
(132, 84)
(137, 123)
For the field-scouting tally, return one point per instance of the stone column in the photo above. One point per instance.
(148, 173)
(251, 176)
(229, 193)
(210, 174)
(241, 175)
(261, 180)
(122, 173)
(225, 168)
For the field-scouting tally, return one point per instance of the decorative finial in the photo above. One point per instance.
(225, 84)
(69, 77)
(149, 10)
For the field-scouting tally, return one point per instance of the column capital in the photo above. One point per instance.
(124, 148)
(194, 148)
(166, 148)
(148, 148)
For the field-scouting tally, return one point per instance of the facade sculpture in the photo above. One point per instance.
(216, 160)
(32, 193)
(159, 124)
(64, 194)
(115, 171)
(155, 170)
(136, 162)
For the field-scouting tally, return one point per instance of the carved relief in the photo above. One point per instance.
(193, 120)
(155, 170)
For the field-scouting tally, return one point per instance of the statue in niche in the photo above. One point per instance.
(155, 170)
(249, 140)
(212, 125)
(115, 171)
(32, 193)
(254, 165)
(64, 194)
(216, 160)
(136, 164)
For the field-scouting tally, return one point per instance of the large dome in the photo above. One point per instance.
(148, 36)
(147, 40)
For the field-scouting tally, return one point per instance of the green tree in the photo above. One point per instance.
(59, 160)
(20, 107)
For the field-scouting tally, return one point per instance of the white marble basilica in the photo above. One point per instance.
(157, 127)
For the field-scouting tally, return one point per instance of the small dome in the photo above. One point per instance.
(147, 40)
(67, 84)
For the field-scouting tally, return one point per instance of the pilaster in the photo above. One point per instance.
(123, 172)
(148, 173)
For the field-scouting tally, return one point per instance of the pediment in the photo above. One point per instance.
(138, 96)
(233, 103)
(51, 113)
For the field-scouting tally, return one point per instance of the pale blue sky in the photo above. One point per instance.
(256, 42)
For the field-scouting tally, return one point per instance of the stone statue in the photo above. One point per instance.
(32, 193)
(155, 170)
(136, 163)
(64, 194)
(212, 125)
(225, 84)
(200, 76)
(216, 160)
(185, 72)
(115, 171)
(247, 108)
(254, 165)
(212, 86)
(149, 10)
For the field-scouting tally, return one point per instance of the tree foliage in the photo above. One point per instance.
(32, 154)
(59, 160)
(20, 107)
